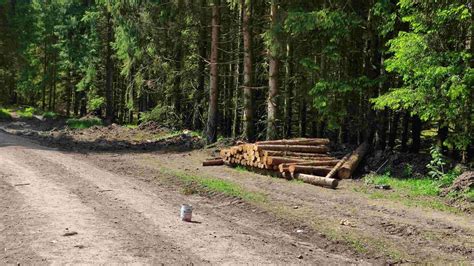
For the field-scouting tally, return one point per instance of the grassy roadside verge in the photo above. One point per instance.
(201, 184)
(83, 123)
(358, 241)
(411, 192)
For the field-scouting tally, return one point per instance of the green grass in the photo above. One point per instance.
(241, 169)
(83, 122)
(412, 192)
(27, 112)
(195, 134)
(226, 187)
(178, 133)
(414, 186)
(169, 135)
(50, 115)
(469, 195)
(5, 114)
(131, 126)
(358, 240)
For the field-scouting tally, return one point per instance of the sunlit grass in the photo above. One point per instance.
(27, 112)
(5, 114)
(83, 122)
(413, 192)
(131, 126)
(226, 187)
(241, 169)
(413, 186)
(50, 115)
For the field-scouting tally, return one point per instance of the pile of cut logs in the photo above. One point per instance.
(306, 159)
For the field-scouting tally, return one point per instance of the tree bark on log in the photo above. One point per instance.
(301, 141)
(292, 148)
(275, 161)
(315, 163)
(317, 180)
(353, 161)
(213, 162)
(308, 169)
(336, 168)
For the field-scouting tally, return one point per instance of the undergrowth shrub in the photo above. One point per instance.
(164, 115)
(5, 114)
(83, 122)
(413, 186)
(437, 163)
(27, 112)
(50, 115)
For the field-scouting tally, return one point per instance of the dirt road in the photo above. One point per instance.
(60, 207)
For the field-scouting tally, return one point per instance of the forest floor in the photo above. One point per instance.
(124, 206)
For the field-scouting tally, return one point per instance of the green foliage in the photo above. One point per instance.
(27, 112)
(96, 103)
(333, 22)
(408, 170)
(435, 69)
(412, 186)
(5, 114)
(226, 187)
(469, 195)
(50, 115)
(415, 186)
(241, 169)
(437, 163)
(330, 51)
(164, 115)
(83, 122)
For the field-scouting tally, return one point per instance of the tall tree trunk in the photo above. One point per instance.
(83, 103)
(45, 70)
(382, 129)
(302, 115)
(109, 110)
(53, 106)
(406, 121)
(69, 89)
(50, 99)
(248, 123)
(198, 110)
(415, 134)
(443, 132)
(213, 92)
(273, 86)
(237, 91)
(177, 96)
(230, 93)
(392, 135)
(288, 93)
(76, 103)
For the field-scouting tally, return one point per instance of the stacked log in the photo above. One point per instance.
(271, 154)
(306, 159)
(353, 161)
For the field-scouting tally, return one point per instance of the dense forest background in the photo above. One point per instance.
(387, 71)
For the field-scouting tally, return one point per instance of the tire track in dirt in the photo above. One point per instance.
(424, 234)
(58, 209)
(138, 209)
(16, 223)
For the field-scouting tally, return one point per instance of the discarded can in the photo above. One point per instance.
(186, 212)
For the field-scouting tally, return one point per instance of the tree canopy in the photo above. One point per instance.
(348, 70)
